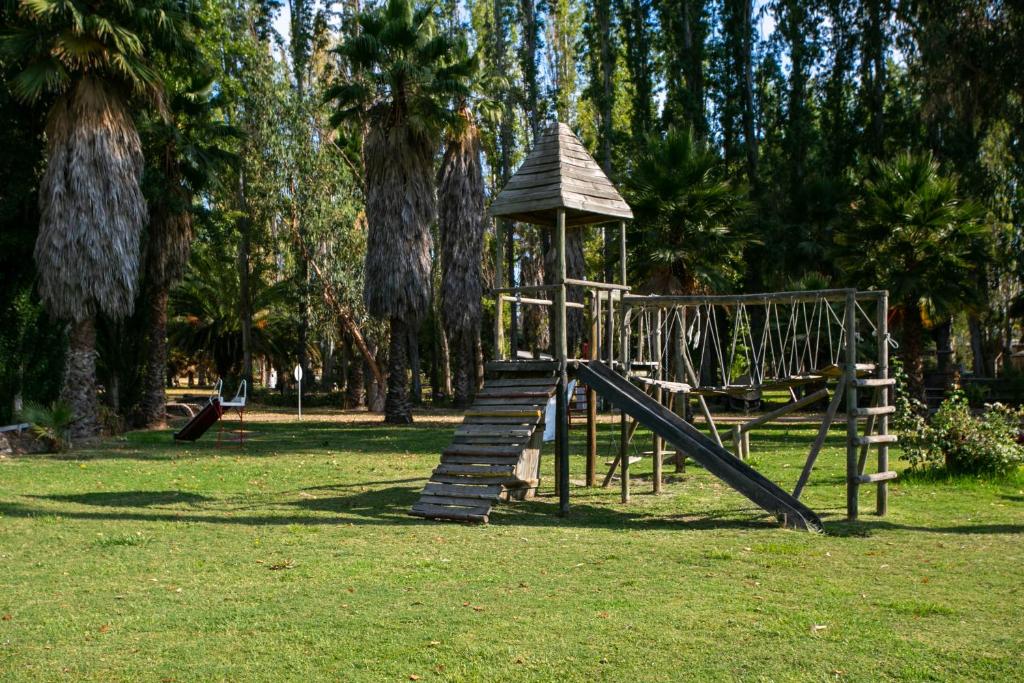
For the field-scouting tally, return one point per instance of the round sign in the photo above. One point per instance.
(297, 373)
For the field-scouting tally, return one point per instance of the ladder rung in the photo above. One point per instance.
(877, 477)
(875, 440)
(874, 382)
(874, 410)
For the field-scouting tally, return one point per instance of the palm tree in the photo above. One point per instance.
(913, 234)
(460, 219)
(404, 78)
(204, 316)
(94, 58)
(187, 153)
(685, 213)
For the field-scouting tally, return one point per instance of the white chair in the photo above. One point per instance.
(239, 400)
(236, 403)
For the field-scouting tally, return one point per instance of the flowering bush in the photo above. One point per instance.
(957, 440)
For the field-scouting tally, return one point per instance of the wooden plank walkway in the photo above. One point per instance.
(496, 449)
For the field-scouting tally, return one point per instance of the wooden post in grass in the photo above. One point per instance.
(624, 434)
(499, 283)
(658, 396)
(852, 482)
(562, 355)
(595, 338)
(885, 398)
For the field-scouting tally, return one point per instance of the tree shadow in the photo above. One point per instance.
(388, 502)
(130, 498)
(866, 528)
(538, 512)
(278, 439)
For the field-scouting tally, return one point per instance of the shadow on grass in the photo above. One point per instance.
(388, 506)
(276, 440)
(866, 528)
(130, 498)
(379, 506)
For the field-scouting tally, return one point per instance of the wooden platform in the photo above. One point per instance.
(495, 452)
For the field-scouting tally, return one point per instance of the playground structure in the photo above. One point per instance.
(650, 356)
(213, 413)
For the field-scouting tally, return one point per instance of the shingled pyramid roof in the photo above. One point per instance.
(558, 173)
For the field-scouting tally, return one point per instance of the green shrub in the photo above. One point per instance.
(50, 424)
(956, 440)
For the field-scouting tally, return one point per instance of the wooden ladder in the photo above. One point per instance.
(495, 452)
(875, 433)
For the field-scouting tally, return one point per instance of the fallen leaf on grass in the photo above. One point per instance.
(478, 608)
(287, 564)
(105, 628)
(7, 617)
(818, 627)
(413, 677)
(603, 615)
(435, 643)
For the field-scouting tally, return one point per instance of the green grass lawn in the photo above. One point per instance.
(293, 559)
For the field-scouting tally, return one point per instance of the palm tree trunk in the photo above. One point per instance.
(154, 399)
(79, 390)
(397, 409)
(944, 352)
(356, 390)
(912, 349)
(464, 374)
(416, 385)
(478, 358)
(979, 366)
(445, 362)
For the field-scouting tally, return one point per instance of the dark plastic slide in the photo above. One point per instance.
(739, 475)
(202, 421)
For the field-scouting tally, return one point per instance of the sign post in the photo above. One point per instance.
(297, 374)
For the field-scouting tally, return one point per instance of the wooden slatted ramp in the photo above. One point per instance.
(495, 452)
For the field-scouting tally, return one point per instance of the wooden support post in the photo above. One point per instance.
(885, 397)
(852, 483)
(622, 253)
(624, 434)
(631, 426)
(658, 396)
(499, 282)
(513, 319)
(595, 336)
(610, 330)
(695, 381)
(784, 410)
(680, 400)
(819, 441)
(562, 354)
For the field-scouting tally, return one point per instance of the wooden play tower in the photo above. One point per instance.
(649, 356)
